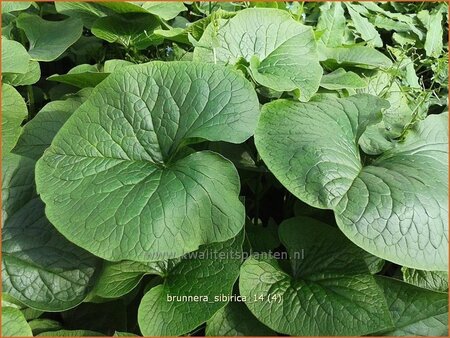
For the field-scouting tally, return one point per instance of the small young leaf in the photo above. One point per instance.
(340, 79)
(432, 280)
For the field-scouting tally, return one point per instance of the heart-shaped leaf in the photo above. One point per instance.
(214, 268)
(327, 290)
(131, 187)
(395, 206)
(281, 52)
(49, 39)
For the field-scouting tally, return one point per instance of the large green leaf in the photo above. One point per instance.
(14, 323)
(38, 133)
(235, 319)
(432, 280)
(394, 207)
(131, 30)
(40, 268)
(15, 58)
(209, 272)
(49, 39)
(281, 52)
(118, 179)
(328, 289)
(415, 311)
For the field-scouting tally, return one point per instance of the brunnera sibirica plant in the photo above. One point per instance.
(223, 169)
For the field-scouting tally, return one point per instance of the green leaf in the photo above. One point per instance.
(88, 12)
(415, 311)
(354, 55)
(81, 76)
(327, 172)
(327, 279)
(31, 76)
(32, 250)
(118, 279)
(123, 154)
(124, 334)
(285, 61)
(363, 26)
(165, 10)
(15, 58)
(124, 7)
(14, 6)
(43, 325)
(14, 111)
(113, 65)
(235, 319)
(131, 30)
(49, 39)
(331, 23)
(17, 183)
(14, 323)
(70, 333)
(214, 268)
(433, 24)
(377, 138)
(432, 280)
(340, 79)
(262, 238)
(38, 133)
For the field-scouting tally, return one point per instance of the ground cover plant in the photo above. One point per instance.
(204, 168)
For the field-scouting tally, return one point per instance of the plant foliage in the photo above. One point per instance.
(222, 169)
